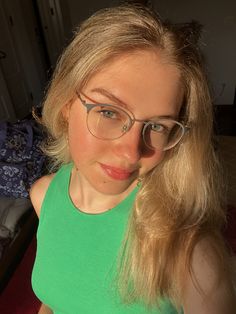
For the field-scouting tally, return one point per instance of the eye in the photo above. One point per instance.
(159, 128)
(108, 113)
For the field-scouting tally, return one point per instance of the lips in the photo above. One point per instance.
(116, 173)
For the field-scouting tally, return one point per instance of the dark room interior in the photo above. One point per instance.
(33, 34)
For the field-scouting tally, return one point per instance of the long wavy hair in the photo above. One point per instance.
(179, 201)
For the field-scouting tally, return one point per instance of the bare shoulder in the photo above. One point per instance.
(44, 309)
(209, 289)
(38, 191)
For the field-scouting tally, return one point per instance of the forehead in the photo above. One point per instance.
(139, 77)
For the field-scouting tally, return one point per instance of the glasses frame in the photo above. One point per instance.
(132, 119)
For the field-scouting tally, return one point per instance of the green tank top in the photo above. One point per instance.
(76, 255)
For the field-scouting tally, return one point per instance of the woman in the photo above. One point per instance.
(131, 221)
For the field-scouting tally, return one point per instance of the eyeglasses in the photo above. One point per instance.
(110, 122)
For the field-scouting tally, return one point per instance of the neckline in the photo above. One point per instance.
(107, 212)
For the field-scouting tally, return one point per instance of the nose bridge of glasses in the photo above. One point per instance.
(144, 123)
(130, 123)
(133, 120)
(142, 129)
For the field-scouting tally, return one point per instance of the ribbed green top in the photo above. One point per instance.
(77, 253)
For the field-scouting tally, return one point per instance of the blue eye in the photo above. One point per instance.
(108, 114)
(159, 128)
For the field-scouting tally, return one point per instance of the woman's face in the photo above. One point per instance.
(148, 86)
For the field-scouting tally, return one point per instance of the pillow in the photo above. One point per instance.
(11, 210)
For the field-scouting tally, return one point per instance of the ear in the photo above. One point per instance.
(65, 111)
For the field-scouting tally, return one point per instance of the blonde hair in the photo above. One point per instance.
(179, 201)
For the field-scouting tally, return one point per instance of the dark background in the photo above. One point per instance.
(33, 33)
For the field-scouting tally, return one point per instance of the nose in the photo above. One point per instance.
(130, 146)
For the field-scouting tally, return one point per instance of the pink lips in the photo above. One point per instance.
(116, 173)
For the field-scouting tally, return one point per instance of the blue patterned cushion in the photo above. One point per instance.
(21, 159)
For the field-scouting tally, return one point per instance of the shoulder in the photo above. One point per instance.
(209, 288)
(38, 191)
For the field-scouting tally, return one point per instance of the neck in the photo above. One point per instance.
(85, 197)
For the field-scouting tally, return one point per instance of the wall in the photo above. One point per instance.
(80, 11)
(218, 39)
(22, 70)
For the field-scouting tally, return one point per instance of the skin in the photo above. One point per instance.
(148, 86)
(45, 310)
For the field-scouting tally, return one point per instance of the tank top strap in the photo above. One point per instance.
(57, 191)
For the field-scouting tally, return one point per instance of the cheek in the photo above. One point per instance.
(83, 145)
(78, 135)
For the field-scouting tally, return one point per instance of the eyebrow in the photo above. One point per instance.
(111, 96)
(114, 98)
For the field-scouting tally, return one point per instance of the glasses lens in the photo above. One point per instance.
(163, 134)
(108, 122)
